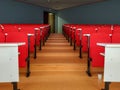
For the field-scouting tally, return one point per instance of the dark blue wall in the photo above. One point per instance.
(12, 11)
(107, 12)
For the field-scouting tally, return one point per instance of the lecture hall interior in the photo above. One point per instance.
(59, 44)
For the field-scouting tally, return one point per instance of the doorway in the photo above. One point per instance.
(49, 18)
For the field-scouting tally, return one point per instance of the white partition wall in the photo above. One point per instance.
(112, 63)
(9, 63)
(9, 71)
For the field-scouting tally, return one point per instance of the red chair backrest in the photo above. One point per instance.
(116, 29)
(29, 29)
(86, 30)
(95, 50)
(78, 34)
(19, 37)
(116, 38)
(2, 37)
(1, 28)
(10, 28)
(104, 29)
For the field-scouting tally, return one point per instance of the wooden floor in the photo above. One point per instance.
(58, 67)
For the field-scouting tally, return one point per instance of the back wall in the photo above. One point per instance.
(12, 11)
(107, 12)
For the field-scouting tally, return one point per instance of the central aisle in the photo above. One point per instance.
(58, 67)
(57, 50)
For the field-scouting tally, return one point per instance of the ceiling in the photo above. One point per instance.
(59, 4)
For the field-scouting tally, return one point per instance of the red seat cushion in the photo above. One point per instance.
(29, 29)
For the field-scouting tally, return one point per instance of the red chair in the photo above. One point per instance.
(116, 38)
(10, 28)
(116, 29)
(88, 29)
(94, 52)
(1, 28)
(42, 34)
(72, 37)
(78, 39)
(29, 29)
(23, 57)
(2, 37)
(104, 29)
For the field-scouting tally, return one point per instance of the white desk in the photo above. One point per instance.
(112, 62)
(9, 71)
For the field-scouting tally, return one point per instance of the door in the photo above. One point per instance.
(49, 18)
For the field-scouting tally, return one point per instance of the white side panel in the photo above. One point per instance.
(112, 64)
(9, 64)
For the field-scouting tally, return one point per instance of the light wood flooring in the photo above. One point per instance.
(58, 67)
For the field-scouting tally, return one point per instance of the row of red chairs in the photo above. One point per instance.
(23, 50)
(69, 31)
(73, 32)
(19, 33)
(107, 34)
(22, 33)
(95, 58)
(27, 28)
